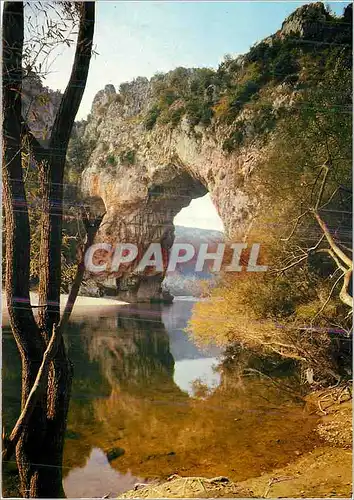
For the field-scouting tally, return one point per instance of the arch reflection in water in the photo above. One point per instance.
(97, 477)
(127, 385)
(129, 419)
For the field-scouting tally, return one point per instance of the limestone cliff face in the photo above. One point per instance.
(146, 177)
(162, 170)
(39, 106)
(157, 144)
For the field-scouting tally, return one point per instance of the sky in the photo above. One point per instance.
(200, 213)
(142, 38)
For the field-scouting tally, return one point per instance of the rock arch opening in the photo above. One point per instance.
(201, 213)
(140, 211)
(198, 223)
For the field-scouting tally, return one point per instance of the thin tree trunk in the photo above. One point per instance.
(53, 174)
(23, 324)
(60, 372)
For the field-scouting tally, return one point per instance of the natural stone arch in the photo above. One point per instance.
(145, 177)
(147, 219)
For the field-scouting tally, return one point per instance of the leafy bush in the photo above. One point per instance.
(291, 79)
(260, 52)
(172, 116)
(177, 115)
(167, 97)
(205, 93)
(201, 80)
(111, 160)
(198, 111)
(151, 117)
(194, 90)
(127, 157)
(124, 88)
(271, 312)
(221, 108)
(244, 94)
(235, 140)
(264, 121)
(178, 79)
(284, 65)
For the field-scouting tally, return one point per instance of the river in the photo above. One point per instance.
(148, 403)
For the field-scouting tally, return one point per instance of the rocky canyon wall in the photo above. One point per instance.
(157, 144)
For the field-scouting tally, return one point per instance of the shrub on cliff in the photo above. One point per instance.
(197, 111)
(285, 65)
(235, 140)
(111, 160)
(127, 157)
(151, 117)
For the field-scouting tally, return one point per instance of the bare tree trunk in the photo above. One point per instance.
(39, 449)
(24, 327)
(60, 372)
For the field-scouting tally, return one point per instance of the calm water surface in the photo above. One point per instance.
(147, 403)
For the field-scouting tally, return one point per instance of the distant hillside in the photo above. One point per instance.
(196, 234)
(185, 281)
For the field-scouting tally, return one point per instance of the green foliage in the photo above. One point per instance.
(192, 88)
(172, 116)
(124, 88)
(167, 97)
(197, 111)
(235, 140)
(75, 164)
(111, 160)
(262, 52)
(176, 116)
(277, 59)
(69, 259)
(202, 92)
(151, 117)
(263, 120)
(291, 79)
(243, 94)
(201, 80)
(127, 157)
(78, 154)
(284, 65)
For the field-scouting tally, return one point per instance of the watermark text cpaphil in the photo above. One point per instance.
(103, 257)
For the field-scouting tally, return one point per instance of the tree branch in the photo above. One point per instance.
(344, 294)
(325, 167)
(35, 146)
(303, 257)
(74, 91)
(37, 390)
(328, 298)
(339, 253)
(53, 172)
(91, 231)
(297, 220)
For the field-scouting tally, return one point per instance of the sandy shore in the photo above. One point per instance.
(84, 306)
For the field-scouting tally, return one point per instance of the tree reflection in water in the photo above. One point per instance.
(126, 406)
